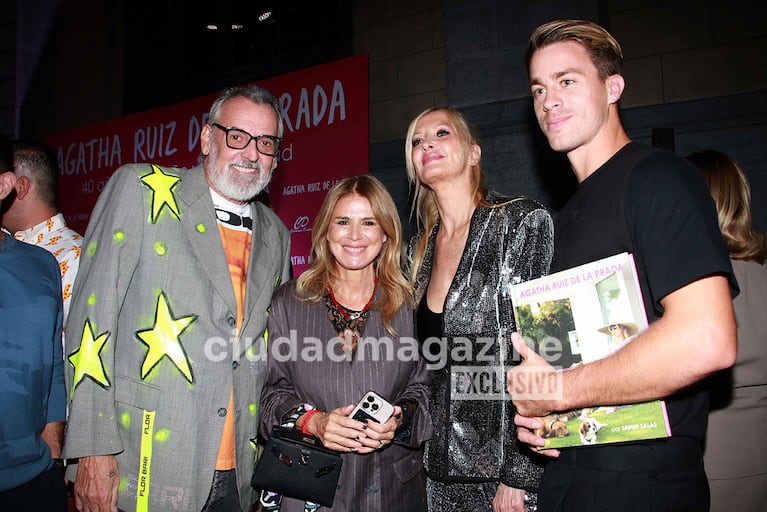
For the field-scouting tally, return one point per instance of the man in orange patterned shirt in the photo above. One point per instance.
(31, 215)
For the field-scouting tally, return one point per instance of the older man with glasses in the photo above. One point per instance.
(165, 337)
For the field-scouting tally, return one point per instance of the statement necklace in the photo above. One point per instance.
(350, 314)
(349, 324)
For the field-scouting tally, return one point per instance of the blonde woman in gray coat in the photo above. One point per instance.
(343, 328)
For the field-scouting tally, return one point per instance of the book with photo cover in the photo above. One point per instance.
(580, 315)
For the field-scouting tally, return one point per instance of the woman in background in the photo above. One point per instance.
(353, 292)
(735, 442)
(472, 244)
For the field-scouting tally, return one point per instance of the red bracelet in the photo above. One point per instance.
(307, 415)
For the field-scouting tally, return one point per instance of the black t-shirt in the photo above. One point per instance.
(655, 205)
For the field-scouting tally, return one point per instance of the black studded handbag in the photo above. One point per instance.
(297, 465)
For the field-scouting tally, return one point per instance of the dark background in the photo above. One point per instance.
(696, 71)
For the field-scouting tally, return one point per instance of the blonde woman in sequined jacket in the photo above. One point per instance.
(471, 245)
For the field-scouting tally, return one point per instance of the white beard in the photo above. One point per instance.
(232, 184)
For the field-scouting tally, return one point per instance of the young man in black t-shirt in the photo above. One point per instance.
(631, 198)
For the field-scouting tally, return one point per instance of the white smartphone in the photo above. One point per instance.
(372, 407)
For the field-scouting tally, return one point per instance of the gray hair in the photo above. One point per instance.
(254, 93)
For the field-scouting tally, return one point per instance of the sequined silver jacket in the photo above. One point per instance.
(475, 439)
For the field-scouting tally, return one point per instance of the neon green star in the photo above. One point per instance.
(86, 360)
(163, 339)
(162, 192)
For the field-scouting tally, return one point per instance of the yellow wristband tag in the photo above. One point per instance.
(145, 469)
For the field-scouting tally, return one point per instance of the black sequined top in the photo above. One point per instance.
(474, 435)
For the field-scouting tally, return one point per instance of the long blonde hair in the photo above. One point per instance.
(732, 195)
(312, 285)
(424, 206)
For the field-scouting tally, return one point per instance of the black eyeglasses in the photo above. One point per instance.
(239, 139)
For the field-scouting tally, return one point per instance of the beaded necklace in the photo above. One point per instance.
(348, 323)
(350, 314)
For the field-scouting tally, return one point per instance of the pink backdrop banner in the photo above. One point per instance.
(325, 111)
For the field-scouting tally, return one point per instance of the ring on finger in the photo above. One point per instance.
(380, 444)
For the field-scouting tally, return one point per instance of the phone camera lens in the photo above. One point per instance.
(371, 399)
(365, 405)
(375, 407)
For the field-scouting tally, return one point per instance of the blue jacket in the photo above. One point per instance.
(31, 364)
